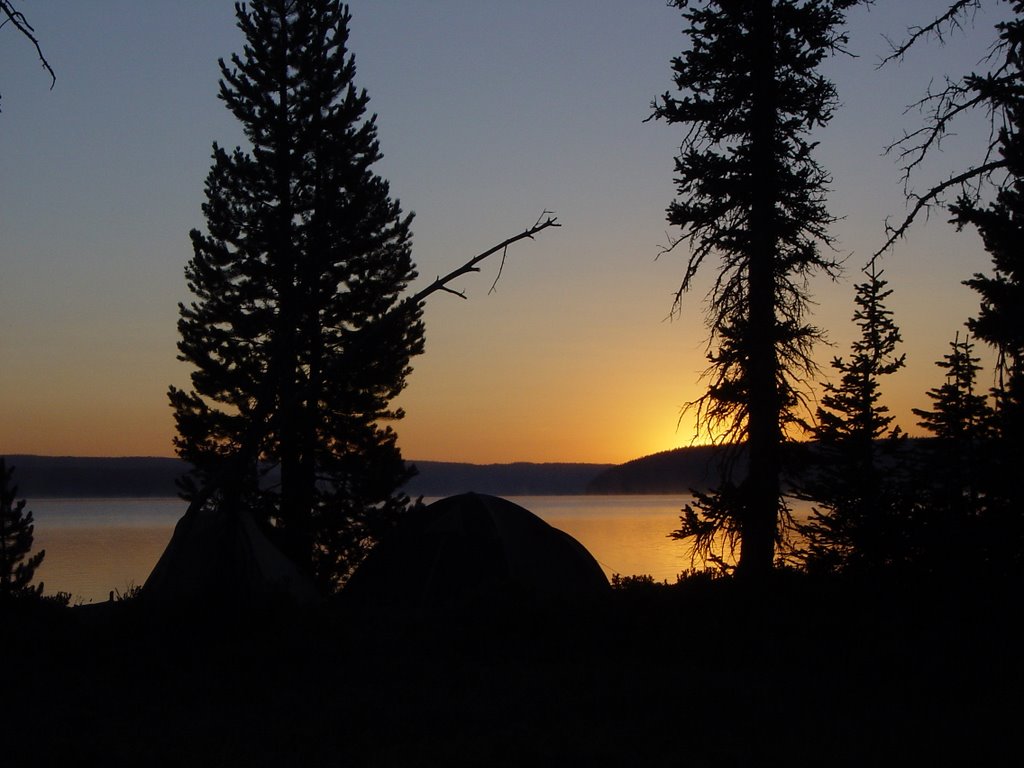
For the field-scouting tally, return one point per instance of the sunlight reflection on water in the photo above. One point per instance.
(625, 534)
(94, 546)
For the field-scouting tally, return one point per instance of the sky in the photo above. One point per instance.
(489, 113)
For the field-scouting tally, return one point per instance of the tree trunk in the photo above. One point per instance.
(761, 498)
(295, 496)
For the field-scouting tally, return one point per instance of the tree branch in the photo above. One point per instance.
(931, 196)
(249, 442)
(501, 268)
(17, 18)
(938, 28)
(947, 107)
(546, 219)
(941, 109)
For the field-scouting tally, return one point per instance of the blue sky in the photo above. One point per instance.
(488, 114)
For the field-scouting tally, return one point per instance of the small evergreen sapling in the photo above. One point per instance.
(952, 477)
(17, 566)
(855, 478)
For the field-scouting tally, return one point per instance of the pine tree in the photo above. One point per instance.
(952, 476)
(17, 567)
(1000, 320)
(305, 255)
(750, 192)
(856, 481)
(999, 168)
(996, 90)
(1000, 323)
(959, 415)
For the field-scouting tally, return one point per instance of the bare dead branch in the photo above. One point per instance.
(939, 27)
(547, 219)
(932, 196)
(20, 23)
(250, 441)
(916, 145)
(460, 294)
(501, 268)
(944, 108)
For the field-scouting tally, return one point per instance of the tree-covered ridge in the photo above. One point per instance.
(67, 477)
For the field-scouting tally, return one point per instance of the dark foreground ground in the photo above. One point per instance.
(702, 674)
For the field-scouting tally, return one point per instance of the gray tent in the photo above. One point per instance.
(470, 550)
(218, 556)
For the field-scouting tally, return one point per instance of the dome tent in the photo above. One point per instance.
(219, 557)
(469, 550)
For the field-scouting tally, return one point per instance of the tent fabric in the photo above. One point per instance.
(218, 555)
(474, 548)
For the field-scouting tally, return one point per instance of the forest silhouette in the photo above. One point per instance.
(880, 630)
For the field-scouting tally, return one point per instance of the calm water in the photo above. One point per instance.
(94, 546)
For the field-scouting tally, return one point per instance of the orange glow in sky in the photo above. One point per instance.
(488, 114)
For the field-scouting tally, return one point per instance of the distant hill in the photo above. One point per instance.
(136, 476)
(70, 476)
(675, 471)
(439, 478)
(679, 470)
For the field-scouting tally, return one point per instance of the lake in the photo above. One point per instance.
(94, 546)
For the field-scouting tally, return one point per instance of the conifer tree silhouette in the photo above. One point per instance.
(17, 566)
(856, 481)
(304, 252)
(1000, 320)
(751, 193)
(989, 198)
(952, 482)
(998, 92)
